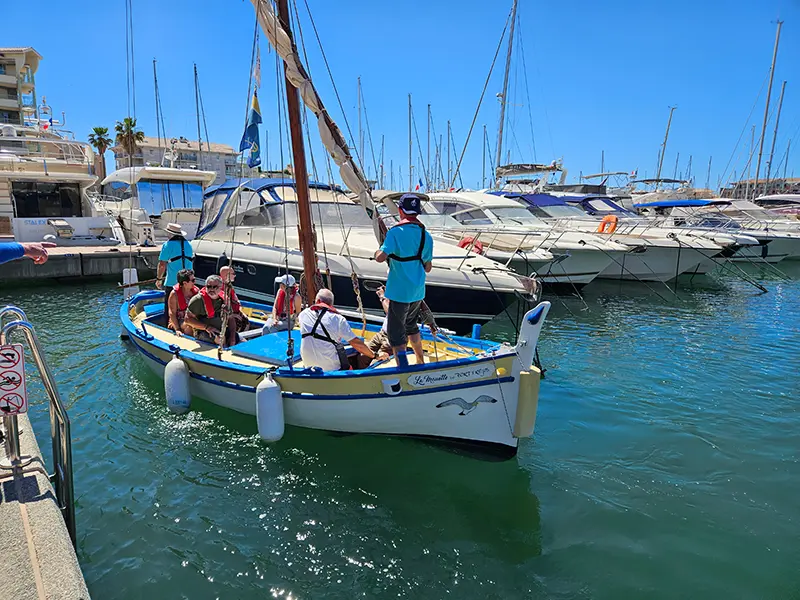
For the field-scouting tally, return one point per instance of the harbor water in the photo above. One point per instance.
(664, 465)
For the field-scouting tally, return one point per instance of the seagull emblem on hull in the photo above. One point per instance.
(466, 407)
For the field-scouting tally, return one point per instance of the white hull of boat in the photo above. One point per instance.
(657, 263)
(580, 267)
(418, 415)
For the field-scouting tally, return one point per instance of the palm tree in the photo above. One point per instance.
(101, 142)
(128, 137)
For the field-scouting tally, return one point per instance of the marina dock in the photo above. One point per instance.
(40, 561)
(77, 262)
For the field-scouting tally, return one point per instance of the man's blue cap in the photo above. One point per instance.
(410, 204)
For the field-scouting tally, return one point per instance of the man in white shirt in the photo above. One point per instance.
(323, 329)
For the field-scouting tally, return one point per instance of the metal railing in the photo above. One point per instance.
(60, 431)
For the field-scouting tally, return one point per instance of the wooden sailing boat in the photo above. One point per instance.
(468, 390)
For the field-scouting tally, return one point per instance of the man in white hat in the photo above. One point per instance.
(287, 304)
(176, 254)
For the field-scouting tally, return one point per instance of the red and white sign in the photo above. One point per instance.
(13, 394)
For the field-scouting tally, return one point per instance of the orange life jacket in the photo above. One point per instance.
(183, 303)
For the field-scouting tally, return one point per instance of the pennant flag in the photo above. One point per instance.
(250, 139)
(257, 69)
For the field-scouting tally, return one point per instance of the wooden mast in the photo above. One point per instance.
(300, 170)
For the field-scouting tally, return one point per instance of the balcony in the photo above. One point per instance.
(8, 80)
(9, 103)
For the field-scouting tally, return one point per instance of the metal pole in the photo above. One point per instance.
(381, 183)
(300, 169)
(505, 86)
(448, 152)
(410, 147)
(602, 161)
(483, 159)
(750, 161)
(429, 175)
(360, 130)
(786, 164)
(766, 107)
(774, 136)
(197, 109)
(664, 145)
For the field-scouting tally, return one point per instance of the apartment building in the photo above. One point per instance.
(17, 85)
(186, 154)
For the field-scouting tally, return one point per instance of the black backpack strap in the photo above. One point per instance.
(318, 323)
(183, 258)
(418, 255)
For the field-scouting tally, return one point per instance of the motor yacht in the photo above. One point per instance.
(255, 225)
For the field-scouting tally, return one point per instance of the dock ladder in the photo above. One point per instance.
(59, 420)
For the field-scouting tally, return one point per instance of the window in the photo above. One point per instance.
(2, 69)
(33, 199)
(516, 215)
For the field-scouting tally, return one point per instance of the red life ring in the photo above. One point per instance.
(468, 241)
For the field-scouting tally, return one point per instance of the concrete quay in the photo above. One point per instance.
(82, 262)
(40, 562)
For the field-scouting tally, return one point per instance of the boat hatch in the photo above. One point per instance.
(270, 348)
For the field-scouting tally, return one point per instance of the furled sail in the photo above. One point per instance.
(329, 132)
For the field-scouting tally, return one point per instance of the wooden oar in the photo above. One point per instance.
(127, 285)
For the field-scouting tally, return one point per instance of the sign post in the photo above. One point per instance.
(13, 397)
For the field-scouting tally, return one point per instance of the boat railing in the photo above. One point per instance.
(60, 431)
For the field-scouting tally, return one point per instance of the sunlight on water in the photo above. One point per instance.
(664, 465)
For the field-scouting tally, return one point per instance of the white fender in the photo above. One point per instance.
(130, 276)
(529, 333)
(176, 386)
(269, 410)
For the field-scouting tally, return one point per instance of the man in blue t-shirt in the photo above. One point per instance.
(176, 255)
(409, 251)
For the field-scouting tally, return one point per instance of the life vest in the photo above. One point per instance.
(182, 257)
(321, 308)
(235, 304)
(183, 303)
(208, 303)
(282, 307)
(418, 255)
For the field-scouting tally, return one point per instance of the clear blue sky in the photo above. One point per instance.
(601, 74)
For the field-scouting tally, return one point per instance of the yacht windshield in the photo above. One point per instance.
(558, 211)
(258, 213)
(517, 215)
(158, 196)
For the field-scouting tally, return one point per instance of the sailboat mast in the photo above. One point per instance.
(786, 164)
(158, 120)
(197, 109)
(483, 158)
(410, 147)
(360, 130)
(429, 175)
(766, 107)
(448, 153)
(505, 85)
(774, 136)
(750, 160)
(664, 145)
(300, 169)
(380, 181)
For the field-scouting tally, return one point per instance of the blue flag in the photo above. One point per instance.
(250, 139)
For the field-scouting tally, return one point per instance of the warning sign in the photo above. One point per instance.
(13, 395)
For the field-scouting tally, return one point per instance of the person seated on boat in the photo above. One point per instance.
(322, 330)
(204, 314)
(228, 277)
(287, 304)
(379, 343)
(179, 297)
(176, 254)
(408, 248)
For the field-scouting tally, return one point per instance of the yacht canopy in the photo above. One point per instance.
(131, 175)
